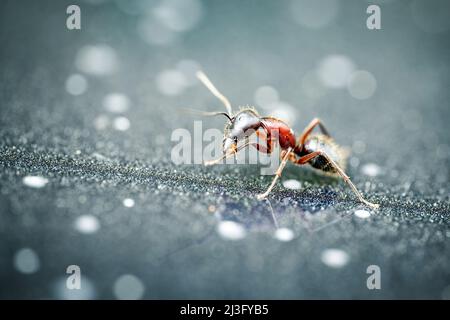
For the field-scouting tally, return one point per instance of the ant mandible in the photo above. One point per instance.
(318, 150)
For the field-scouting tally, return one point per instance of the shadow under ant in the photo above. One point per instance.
(317, 194)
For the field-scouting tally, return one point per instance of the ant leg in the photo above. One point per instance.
(315, 122)
(261, 135)
(264, 138)
(258, 147)
(277, 175)
(227, 155)
(341, 172)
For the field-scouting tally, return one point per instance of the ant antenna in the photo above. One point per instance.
(208, 84)
(206, 113)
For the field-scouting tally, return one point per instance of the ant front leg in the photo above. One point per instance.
(227, 155)
(277, 174)
(259, 147)
(312, 155)
(263, 137)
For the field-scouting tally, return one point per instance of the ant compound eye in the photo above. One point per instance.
(235, 139)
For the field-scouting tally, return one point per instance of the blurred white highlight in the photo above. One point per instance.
(314, 14)
(284, 234)
(265, 96)
(335, 70)
(363, 214)
(361, 84)
(34, 181)
(189, 68)
(101, 122)
(283, 111)
(87, 224)
(128, 287)
(171, 82)
(231, 230)
(154, 33)
(121, 123)
(26, 261)
(334, 258)
(76, 84)
(128, 202)
(292, 184)
(98, 60)
(178, 15)
(371, 169)
(116, 102)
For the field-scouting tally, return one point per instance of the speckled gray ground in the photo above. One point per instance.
(168, 240)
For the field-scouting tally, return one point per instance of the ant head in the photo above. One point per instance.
(242, 125)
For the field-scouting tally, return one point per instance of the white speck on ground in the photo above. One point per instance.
(121, 124)
(363, 214)
(284, 234)
(371, 169)
(231, 230)
(292, 184)
(35, 181)
(334, 258)
(87, 224)
(128, 202)
(116, 102)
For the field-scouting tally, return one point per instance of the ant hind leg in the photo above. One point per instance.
(341, 172)
(309, 128)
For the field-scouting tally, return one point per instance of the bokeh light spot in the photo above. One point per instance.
(76, 84)
(128, 287)
(361, 84)
(334, 258)
(26, 261)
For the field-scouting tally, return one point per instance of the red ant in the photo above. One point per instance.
(318, 150)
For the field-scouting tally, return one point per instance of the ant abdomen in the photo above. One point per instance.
(320, 142)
